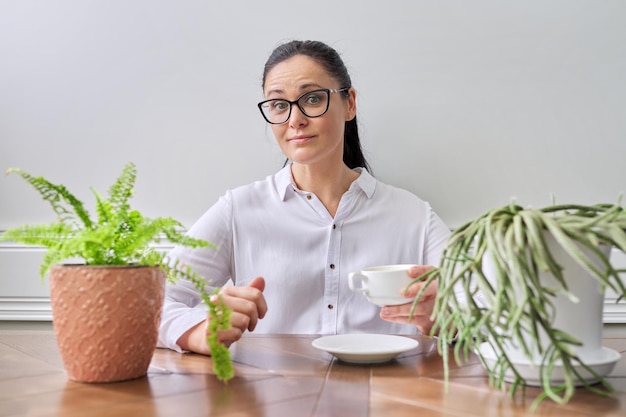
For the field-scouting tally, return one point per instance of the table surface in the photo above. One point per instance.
(277, 375)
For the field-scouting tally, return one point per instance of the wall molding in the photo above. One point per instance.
(25, 309)
(23, 295)
(24, 298)
(614, 313)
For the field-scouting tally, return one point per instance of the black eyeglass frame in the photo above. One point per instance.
(296, 102)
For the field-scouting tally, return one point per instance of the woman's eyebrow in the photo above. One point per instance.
(274, 91)
(302, 87)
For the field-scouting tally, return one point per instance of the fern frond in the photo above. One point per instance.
(52, 257)
(104, 211)
(134, 234)
(122, 189)
(220, 320)
(172, 230)
(219, 314)
(47, 235)
(121, 236)
(64, 203)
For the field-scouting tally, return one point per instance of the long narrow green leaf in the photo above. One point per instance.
(520, 303)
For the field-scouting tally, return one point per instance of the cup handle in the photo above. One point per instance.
(352, 277)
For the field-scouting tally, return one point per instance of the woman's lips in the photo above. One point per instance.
(301, 138)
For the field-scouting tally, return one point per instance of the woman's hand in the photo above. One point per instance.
(423, 310)
(247, 305)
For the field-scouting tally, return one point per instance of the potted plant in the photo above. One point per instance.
(523, 288)
(107, 307)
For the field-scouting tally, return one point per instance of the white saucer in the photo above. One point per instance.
(364, 347)
(602, 363)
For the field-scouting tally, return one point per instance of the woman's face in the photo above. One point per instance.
(305, 140)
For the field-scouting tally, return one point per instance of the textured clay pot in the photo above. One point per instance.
(106, 319)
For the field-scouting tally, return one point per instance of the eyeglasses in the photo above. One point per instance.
(312, 104)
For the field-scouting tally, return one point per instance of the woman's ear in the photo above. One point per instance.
(351, 104)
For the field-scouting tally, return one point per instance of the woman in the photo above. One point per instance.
(288, 242)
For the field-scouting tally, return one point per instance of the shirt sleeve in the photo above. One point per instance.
(438, 234)
(179, 314)
(182, 307)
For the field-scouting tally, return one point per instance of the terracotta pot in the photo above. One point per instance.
(106, 319)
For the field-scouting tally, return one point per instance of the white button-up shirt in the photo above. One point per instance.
(272, 229)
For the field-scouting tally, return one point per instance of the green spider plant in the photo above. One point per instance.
(514, 238)
(118, 236)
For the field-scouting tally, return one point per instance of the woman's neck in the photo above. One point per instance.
(327, 183)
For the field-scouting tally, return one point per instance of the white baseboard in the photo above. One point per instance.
(25, 309)
(615, 312)
(23, 296)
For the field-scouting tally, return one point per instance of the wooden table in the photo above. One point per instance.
(278, 375)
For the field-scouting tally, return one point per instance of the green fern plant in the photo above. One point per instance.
(118, 235)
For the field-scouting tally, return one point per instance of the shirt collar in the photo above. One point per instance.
(284, 181)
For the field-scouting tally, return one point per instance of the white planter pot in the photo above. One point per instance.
(580, 318)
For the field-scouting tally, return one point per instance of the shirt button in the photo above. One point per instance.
(334, 226)
(308, 197)
(330, 306)
(332, 266)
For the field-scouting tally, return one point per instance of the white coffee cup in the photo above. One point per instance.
(382, 285)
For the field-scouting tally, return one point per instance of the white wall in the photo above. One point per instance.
(467, 103)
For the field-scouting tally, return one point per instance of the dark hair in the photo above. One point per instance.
(328, 58)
